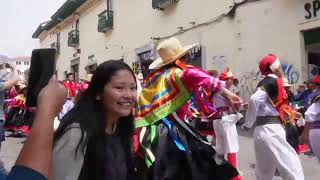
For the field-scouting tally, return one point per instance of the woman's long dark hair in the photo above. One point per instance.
(89, 113)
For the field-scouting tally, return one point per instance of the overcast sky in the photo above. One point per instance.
(18, 20)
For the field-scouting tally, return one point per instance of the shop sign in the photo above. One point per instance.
(312, 9)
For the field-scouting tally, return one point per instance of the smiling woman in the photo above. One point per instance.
(93, 139)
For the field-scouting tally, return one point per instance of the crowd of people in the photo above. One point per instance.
(118, 125)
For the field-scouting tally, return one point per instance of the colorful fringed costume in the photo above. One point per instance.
(171, 148)
(16, 119)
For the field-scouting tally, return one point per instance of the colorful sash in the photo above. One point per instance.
(163, 94)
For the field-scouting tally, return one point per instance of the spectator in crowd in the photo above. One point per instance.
(287, 87)
(301, 89)
(70, 85)
(316, 82)
(83, 86)
(5, 85)
(305, 95)
(93, 139)
(235, 87)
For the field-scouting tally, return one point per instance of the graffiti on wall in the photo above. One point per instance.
(219, 62)
(249, 80)
(248, 83)
(290, 73)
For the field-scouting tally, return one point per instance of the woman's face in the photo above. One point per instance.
(120, 94)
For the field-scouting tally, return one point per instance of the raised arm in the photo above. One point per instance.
(202, 86)
(36, 153)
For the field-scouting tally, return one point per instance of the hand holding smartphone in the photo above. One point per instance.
(41, 70)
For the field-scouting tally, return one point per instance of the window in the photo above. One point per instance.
(58, 38)
(77, 25)
(17, 63)
(109, 5)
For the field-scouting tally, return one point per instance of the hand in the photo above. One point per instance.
(52, 97)
(245, 106)
(245, 128)
(234, 100)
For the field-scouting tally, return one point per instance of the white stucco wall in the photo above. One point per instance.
(258, 28)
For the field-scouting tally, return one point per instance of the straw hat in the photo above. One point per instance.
(169, 51)
(286, 82)
(213, 73)
(87, 78)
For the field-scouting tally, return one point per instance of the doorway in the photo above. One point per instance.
(75, 68)
(312, 45)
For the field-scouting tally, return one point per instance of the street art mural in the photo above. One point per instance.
(290, 73)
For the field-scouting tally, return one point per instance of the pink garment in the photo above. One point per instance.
(12, 93)
(202, 86)
(83, 86)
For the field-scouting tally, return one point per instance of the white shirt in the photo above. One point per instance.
(259, 105)
(313, 113)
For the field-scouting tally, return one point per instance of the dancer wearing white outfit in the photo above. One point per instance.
(271, 148)
(225, 125)
(313, 125)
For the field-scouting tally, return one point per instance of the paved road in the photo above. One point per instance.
(310, 164)
(10, 150)
(12, 146)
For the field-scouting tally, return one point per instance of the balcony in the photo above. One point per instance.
(56, 46)
(162, 4)
(105, 21)
(73, 38)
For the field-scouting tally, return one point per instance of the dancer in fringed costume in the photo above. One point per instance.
(170, 147)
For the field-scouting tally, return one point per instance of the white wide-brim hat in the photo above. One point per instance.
(169, 51)
(87, 78)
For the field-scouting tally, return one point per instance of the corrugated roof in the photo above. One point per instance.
(61, 14)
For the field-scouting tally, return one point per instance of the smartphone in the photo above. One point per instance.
(42, 68)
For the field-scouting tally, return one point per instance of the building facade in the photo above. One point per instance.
(229, 33)
(22, 64)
